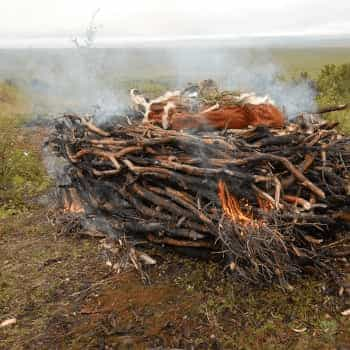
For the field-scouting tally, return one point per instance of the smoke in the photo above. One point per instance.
(265, 77)
(246, 71)
(60, 80)
(89, 80)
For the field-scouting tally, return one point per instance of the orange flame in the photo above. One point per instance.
(71, 202)
(231, 206)
(265, 205)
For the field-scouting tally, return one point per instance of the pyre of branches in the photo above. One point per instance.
(272, 203)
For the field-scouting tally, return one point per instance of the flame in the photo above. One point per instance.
(264, 204)
(71, 202)
(231, 206)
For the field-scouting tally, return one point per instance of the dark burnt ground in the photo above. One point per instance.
(64, 296)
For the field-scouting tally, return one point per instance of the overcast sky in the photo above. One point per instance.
(34, 21)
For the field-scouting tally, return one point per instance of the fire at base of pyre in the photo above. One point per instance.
(271, 203)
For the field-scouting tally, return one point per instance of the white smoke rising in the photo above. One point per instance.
(97, 80)
(265, 78)
(247, 71)
(59, 81)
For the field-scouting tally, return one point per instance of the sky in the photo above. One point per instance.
(56, 22)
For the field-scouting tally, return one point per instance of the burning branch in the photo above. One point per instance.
(231, 206)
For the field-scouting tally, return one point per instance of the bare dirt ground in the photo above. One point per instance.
(64, 296)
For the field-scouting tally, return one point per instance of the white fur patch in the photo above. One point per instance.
(165, 116)
(251, 98)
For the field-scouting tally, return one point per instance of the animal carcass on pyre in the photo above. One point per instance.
(204, 107)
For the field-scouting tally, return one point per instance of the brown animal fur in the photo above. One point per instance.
(231, 117)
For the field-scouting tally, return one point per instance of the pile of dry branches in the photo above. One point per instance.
(272, 203)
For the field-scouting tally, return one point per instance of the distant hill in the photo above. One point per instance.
(235, 41)
(285, 41)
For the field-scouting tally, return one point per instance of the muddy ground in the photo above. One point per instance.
(64, 296)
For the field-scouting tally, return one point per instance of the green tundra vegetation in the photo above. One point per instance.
(297, 60)
(22, 174)
(333, 84)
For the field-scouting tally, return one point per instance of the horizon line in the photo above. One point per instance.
(62, 41)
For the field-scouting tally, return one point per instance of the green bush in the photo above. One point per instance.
(22, 174)
(333, 85)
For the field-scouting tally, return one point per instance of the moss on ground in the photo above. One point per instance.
(266, 317)
(39, 274)
(62, 292)
(22, 173)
